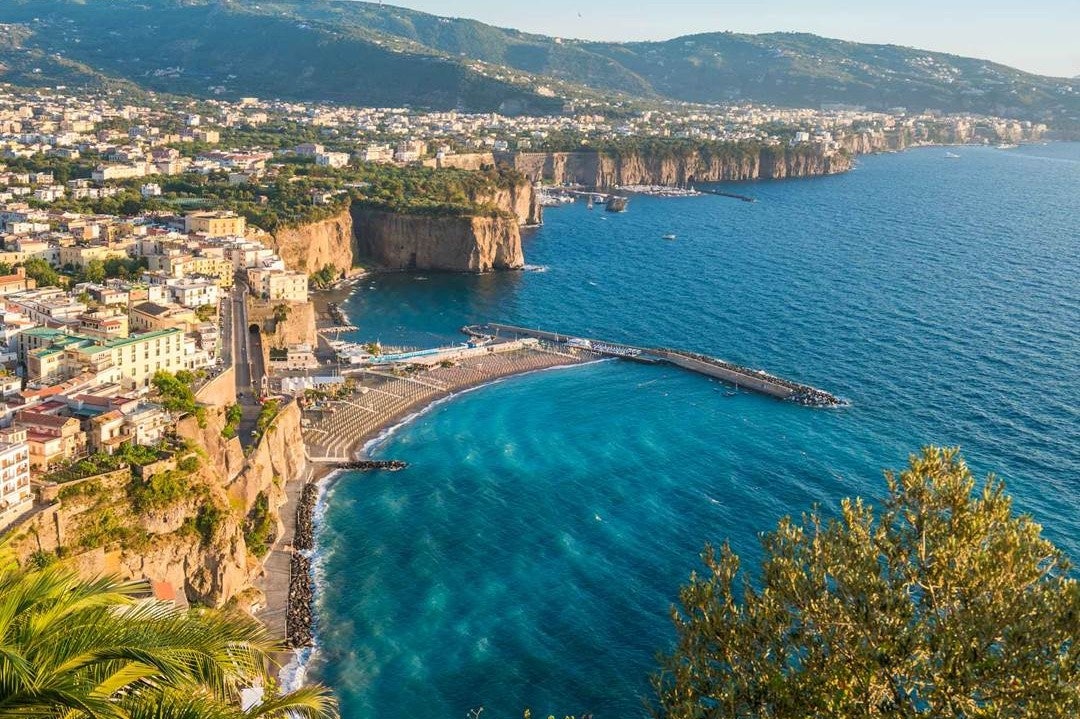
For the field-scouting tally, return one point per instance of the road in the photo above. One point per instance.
(245, 348)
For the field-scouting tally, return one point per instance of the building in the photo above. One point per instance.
(332, 159)
(152, 316)
(15, 494)
(195, 293)
(104, 323)
(51, 438)
(215, 224)
(54, 356)
(17, 282)
(278, 285)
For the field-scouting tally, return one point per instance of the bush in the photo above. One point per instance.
(159, 492)
(259, 527)
(208, 521)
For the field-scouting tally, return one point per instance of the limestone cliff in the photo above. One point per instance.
(600, 170)
(439, 243)
(310, 247)
(192, 535)
(520, 200)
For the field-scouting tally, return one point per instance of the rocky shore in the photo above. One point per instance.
(299, 618)
(299, 621)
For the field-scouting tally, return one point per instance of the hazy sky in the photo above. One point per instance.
(1038, 35)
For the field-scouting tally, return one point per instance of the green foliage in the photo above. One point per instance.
(267, 413)
(233, 415)
(159, 492)
(189, 464)
(42, 272)
(281, 312)
(941, 604)
(90, 650)
(259, 527)
(208, 521)
(138, 454)
(206, 313)
(321, 279)
(93, 272)
(176, 393)
(95, 464)
(40, 559)
(125, 268)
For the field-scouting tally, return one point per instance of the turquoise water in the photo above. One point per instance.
(529, 554)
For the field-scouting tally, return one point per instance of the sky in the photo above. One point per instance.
(1041, 36)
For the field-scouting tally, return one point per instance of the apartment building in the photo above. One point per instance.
(15, 494)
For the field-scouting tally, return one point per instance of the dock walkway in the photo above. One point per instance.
(747, 378)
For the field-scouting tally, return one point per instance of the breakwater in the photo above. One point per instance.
(299, 616)
(744, 377)
(372, 465)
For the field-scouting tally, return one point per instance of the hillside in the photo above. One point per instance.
(373, 54)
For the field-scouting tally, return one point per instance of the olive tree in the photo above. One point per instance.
(942, 604)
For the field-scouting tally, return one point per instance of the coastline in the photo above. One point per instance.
(290, 577)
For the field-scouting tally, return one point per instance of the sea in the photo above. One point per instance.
(531, 553)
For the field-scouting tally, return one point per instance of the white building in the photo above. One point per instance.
(15, 494)
(332, 159)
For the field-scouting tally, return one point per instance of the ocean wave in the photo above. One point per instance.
(535, 268)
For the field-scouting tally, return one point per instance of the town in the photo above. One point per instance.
(124, 291)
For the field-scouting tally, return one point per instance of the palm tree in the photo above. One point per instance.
(93, 650)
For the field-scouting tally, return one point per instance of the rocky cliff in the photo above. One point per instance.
(601, 170)
(310, 247)
(450, 243)
(438, 243)
(188, 528)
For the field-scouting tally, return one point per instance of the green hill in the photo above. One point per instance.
(373, 54)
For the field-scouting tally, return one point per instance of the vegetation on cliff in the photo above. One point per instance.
(944, 603)
(94, 650)
(425, 191)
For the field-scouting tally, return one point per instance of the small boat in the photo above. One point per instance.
(1007, 146)
(590, 203)
(669, 237)
(952, 156)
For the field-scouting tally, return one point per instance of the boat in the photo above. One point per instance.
(589, 204)
(1007, 146)
(952, 156)
(669, 237)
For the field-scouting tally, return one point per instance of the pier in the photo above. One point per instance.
(751, 379)
(721, 193)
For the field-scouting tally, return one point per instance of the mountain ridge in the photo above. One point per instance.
(363, 53)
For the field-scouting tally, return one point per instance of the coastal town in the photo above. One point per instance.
(158, 322)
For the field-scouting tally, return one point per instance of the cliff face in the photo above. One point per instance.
(450, 244)
(397, 241)
(308, 248)
(594, 169)
(521, 200)
(196, 541)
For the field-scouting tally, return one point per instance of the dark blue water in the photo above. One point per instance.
(529, 554)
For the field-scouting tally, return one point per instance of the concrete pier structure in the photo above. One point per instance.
(751, 379)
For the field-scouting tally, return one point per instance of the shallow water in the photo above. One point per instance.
(529, 554)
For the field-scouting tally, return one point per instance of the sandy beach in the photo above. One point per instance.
(336, 432)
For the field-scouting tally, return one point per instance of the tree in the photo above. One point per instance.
(89, 650)
(41, 272)
(943, 605)
(281, 312)
(94, 271)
